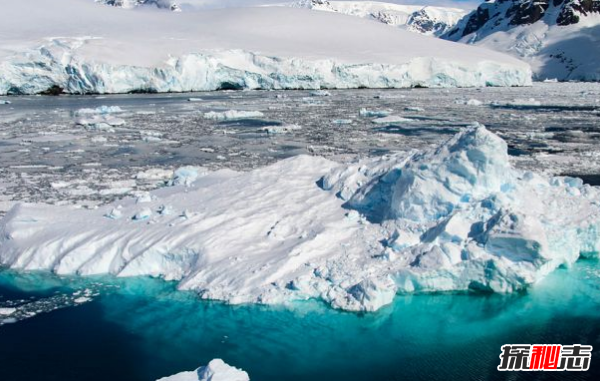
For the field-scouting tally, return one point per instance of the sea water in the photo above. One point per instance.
(143, 329)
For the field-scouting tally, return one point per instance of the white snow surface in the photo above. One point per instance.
(83, 47)
(554, 51)
(216, 370)
(455, 218)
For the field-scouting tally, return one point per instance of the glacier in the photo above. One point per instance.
(458, 217)
(216, 370)
(68, 48)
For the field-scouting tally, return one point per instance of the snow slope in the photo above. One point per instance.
(132, 4)
(458, 217)
(427, 20)
(216, 370)
(560, 39)
(85, 47)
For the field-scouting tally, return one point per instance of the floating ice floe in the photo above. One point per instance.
(102, 122)
(320, 93)
(103, 110)
(342, 121)
(232, 114)
(456, 218)
(373, 113)
(530, 102)
(3, 102)
(4, 311)
(281, 129)
(469, 102)
(216, 370)
(391, 120)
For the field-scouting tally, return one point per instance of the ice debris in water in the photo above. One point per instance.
(287, 128)
(391, 120)
(4, 102)
(103, 110)
(342, 121)
(530, 102)
(12, 311)
(365, 113)
(470, 102)
(216, 370)
(457, 217)
(232, 114)
(320, 93)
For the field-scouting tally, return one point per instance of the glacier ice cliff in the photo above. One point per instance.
(79, 47)
(57, 64)
(455, 218)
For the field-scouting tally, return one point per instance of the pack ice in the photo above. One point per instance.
(79, 46)
(455, 218)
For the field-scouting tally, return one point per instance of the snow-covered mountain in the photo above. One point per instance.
(106, 50)
(129, 4)
(560, 38)
(415, 18)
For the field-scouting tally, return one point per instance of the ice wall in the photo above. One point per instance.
(57, 64)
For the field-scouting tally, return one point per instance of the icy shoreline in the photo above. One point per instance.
(452, 219)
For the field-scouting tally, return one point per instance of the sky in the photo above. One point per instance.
(467, 4)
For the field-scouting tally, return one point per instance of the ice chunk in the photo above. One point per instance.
(453, 218)
(233, 114)
(143, 214)
(216, 370)
(281, 129)
(5, 311)
(4, 102)
(391, 120)
(470, 102)
(186, 175)
(103, 110)
(373, 113)
(320, 93)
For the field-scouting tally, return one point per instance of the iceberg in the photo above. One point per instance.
(208, 50)
(458, 217)
(216, 370)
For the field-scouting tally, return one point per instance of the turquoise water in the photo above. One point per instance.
(142, 329)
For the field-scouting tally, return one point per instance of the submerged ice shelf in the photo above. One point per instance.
(458, 217)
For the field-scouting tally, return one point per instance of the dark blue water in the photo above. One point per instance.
(142, 329)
